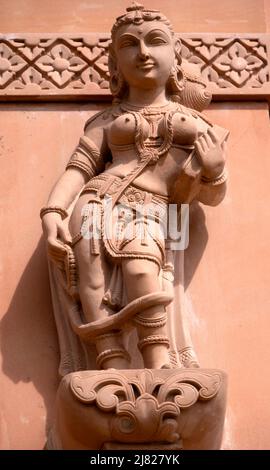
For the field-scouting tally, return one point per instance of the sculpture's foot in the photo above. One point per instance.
(133, 409)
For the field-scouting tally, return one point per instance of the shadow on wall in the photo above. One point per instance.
(28, 335)
(198, 238)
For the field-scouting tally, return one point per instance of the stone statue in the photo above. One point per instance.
(114, 270)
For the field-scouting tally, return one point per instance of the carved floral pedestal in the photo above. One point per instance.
(140, 409)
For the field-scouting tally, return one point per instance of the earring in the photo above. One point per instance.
(117, 83)
(177, 79)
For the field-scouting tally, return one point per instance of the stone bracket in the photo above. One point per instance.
(140, 409)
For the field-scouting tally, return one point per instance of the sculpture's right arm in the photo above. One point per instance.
(86, 161)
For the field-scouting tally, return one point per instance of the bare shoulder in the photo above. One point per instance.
(96, 126)
(100, 120)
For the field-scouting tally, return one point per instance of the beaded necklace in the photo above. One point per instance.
(153, 115)
(152, 155)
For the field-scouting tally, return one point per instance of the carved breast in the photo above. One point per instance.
(122, 130)
(185, 129)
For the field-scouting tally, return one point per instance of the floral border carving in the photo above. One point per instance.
(50, 67)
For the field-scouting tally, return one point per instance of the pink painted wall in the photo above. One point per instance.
(35, 142)
(227, 263)
(228, 274)
(87, 15)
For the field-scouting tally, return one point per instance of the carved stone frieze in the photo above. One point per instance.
(52, 66)
(230, 62)
(76, 66)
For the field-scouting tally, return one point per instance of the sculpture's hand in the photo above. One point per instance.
(210, 151)
(57, 236)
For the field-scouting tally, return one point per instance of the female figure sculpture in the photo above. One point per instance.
(151, 147)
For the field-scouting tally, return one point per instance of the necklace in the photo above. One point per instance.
(147, 110)
(152, 155)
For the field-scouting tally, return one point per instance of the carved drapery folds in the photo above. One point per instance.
(76, 66)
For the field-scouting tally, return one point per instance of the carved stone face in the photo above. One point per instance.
(145, 53)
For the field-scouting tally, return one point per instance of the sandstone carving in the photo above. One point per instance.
(116, 267)
(140, 410)
(68, 66)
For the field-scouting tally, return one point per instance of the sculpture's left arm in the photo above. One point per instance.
(210, 152)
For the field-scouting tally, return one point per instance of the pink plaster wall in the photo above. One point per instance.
(227, 263)
(35, 141)
(228, 276)
(97, 16)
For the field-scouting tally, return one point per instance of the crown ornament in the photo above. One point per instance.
(137, 14)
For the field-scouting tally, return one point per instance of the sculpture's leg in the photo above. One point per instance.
(91, 265)
(111, 352)
(153, 338)
(91, 281)
(141, 278)
(93, 276)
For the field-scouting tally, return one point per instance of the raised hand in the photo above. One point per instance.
(210, 151)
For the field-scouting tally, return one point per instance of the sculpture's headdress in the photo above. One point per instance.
(137, 14)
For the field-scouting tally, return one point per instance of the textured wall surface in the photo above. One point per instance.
(227, 262)
(87, 15)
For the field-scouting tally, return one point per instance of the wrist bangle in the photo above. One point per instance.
(215, 181)
(56, 209)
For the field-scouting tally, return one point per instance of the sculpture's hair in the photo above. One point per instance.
(183, 86)
(137, 14)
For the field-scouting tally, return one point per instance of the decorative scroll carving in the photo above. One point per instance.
(139, 407)
(135, 399)
(50, 67)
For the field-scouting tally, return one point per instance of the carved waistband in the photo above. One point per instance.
(109, 184)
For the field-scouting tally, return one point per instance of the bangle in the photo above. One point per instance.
(56, 209)
(215, 181)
